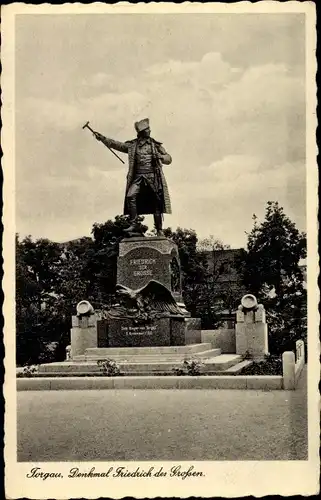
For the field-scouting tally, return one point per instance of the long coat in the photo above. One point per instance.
(160, 157)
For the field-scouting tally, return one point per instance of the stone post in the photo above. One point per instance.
(300, 355)
(84, 329)
(288, 366)
(251, 333)
(68, 353)
(299, 359)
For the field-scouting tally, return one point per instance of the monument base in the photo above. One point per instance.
(167, 331)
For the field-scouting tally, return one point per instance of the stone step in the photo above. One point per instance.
(211, 353)
(150, 358)
(234, 370)
(214, 364)
(69, 366)
(159, 367)
(222, 362)
(126, 373)
(109, 352)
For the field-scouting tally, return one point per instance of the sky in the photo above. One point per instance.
(225, 94)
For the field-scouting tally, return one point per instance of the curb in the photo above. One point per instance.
(266, 382)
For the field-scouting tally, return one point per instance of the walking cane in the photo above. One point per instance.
(91, 130)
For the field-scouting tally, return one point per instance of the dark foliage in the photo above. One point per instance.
(271, 365)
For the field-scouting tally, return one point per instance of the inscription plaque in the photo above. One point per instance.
(124, 332)
(140, 265)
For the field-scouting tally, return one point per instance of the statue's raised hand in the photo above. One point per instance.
(98, 136)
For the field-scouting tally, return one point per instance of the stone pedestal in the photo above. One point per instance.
(150, 258)
(251, 331)
(83, 334)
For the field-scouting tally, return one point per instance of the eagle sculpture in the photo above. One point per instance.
(152, 300)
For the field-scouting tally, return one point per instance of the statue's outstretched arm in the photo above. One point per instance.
(111, 143)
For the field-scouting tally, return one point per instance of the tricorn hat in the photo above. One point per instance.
(142, 125)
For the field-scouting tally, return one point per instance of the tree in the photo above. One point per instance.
(211, 244)
(39, 321)
(223, 287)
(74, 275)
(193, 266)
(271, 271)
(197, 293)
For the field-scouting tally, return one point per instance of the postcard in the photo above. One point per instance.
(160, 250)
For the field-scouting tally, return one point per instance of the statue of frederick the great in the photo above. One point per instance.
(146, 190)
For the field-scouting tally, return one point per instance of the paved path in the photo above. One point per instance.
(162, 425)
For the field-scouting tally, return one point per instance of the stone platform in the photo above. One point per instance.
(147, 361)
(160, 352)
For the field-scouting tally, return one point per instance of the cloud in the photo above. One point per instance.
(221, 197)
(241, 177)
(45, 112)
(263, 90)
(209, 72)
(258, 110)
(100, 80)
(67, 116)
(62, 208)
(171, 68)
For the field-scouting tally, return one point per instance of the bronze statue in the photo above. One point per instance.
(146, 190)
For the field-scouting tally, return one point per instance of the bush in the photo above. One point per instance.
(189, 367)
(30, 370)
(246, 356)
(271, 365)
(109, 367)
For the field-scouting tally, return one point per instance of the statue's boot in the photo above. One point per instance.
(158, 221)
(132, 208)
